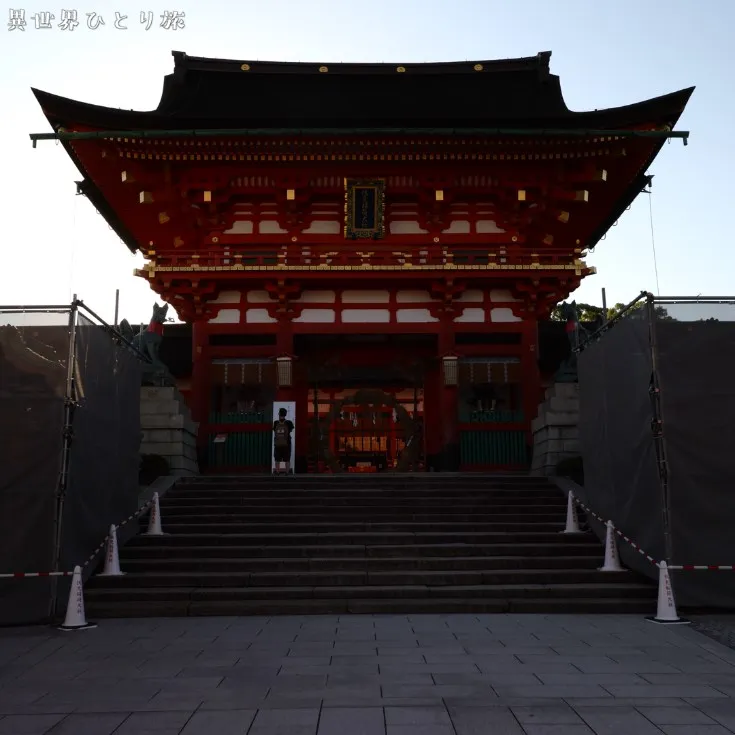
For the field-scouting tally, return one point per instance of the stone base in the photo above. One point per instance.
(555, 429)
(168, 430)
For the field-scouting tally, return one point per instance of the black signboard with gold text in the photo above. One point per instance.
(364, 209)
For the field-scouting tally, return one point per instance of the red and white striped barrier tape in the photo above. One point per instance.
(20, 575)
(634, 545)
(138, 512)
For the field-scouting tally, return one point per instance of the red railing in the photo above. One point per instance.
(358, 255)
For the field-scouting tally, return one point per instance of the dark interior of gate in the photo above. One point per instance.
(373, 403)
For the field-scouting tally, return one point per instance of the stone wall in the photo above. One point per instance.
(168, 429)
(555, 429)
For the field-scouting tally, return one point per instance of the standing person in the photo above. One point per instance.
(282, 442)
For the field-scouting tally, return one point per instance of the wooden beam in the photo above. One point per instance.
(146, 197)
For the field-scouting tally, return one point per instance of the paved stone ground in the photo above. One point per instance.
(367, 675)
(720, 628)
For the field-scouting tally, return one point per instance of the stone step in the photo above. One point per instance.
(364, 538)
(358, 578)
(140, 564)
(338, 505)
(179, 515)
(166, 607)
(200, 525)
(567, 591)
(143, 547)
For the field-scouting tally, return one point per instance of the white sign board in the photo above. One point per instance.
(290, 407)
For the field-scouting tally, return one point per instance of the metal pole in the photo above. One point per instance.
(604, 307)
(658, 431)
(117, 304)
(65, 452)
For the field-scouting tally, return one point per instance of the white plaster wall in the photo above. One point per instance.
(323, 227)
(413, 297)
(226, 316)
(458, 227)
(258, 297)
(406, 228)
(316, 316)
(414, 316)
(499, 294)
(487, 226)
(471, 315)
(365, 316)
(270, 227)
(503, 315)
(227, 297)
(258, 316)
(472, 295)
(365, 297)
(240, 227)
(316, 297)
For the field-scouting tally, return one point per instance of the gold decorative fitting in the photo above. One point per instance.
(563, 217)
(514, 239)
(478, 67)
(207, 196)
(401, 69)
(323, 69)
(436, 239)
(439, 195)
(290, 194)
(294, 239)
(245, 67)
(163, 218)
(215, 240)
(521, 195)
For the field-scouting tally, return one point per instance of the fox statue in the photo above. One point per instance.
(148, 342)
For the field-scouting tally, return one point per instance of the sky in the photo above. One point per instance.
(53, 244)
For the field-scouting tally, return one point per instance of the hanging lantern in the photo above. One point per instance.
(284, 371)
(451, 376)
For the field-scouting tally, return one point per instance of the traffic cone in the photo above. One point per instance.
(112, 558)
(612, 560)
(154, 522)
(572, 519)
(75, 618)
(666, 608)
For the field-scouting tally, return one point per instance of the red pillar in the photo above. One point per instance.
(284, 346)
(200, 382)
(449, 406)
(531, 378)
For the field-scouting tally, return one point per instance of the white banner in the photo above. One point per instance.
(290, 408)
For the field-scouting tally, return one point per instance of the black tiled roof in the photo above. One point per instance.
(220, 94)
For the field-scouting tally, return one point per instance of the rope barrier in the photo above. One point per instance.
(637, 547)
(20, 575)
(102, 545)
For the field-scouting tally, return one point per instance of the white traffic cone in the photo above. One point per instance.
(75, 618)
(666, 608)
(612, 560)
(154, 522)
(572, 519)
(112, 558)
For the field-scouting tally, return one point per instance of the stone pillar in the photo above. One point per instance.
(555, 429)
(168, 429)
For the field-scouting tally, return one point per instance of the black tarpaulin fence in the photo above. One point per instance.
(70, 428)
(656, 426)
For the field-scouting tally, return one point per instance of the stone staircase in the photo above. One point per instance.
(364, 544)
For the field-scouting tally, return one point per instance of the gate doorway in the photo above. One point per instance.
(365, 430)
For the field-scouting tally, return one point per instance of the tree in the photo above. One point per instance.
(661, 313)
(587, 313)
